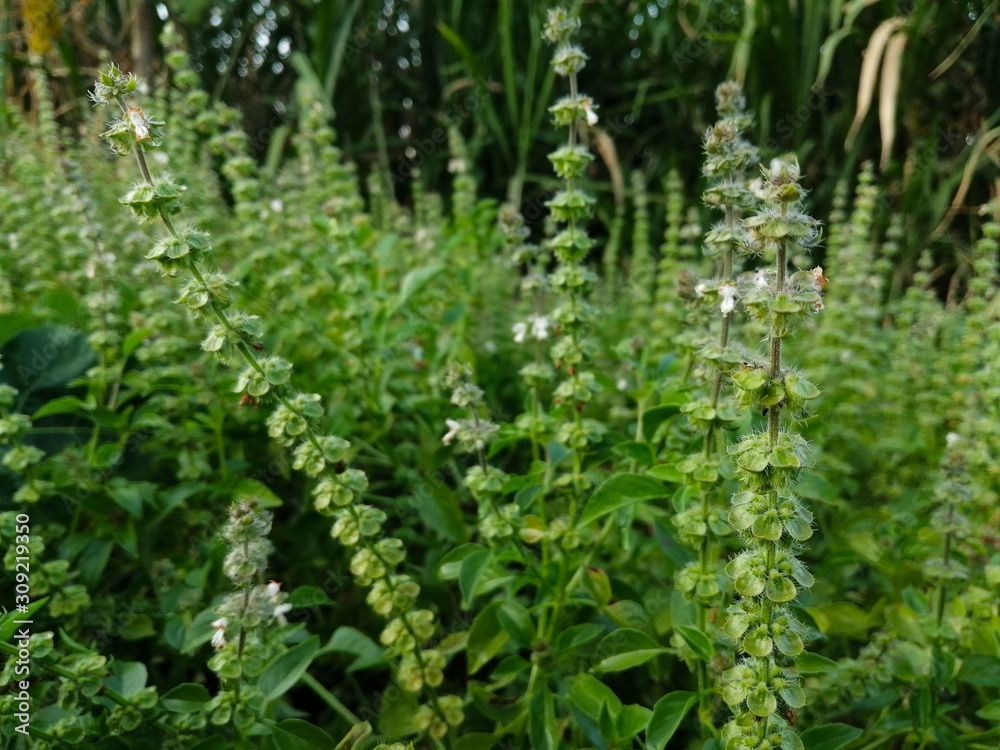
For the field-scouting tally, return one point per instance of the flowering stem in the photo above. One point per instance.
(309, 434)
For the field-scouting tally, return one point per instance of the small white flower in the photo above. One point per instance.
(273, 587)
(452, 433)
(90, 270)
(520, 331)
(951, 438)
(139, 123)
(219, 636)
(279, 613)
(728, 294)
(760, 280)
(622, 384)
(277, 205)
(588, 108)
(701, 288)
(540, 325)
(160, 157)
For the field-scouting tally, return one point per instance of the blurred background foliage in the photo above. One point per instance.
(911, 85)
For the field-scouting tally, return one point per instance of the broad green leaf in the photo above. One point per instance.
(414, 281)
(486, 637)
(516, 622)
(841, 618)
(700, 643)
(666, 473)
(629, 659)
(830, 736)
(657, 415)
(632, 449)
(62, 405)
(990, 712)
(632, 719)
(476, 741)
(127, 677)
(980, 669)
(284, 670)
(257, 493)
(576, 636)
(668, 713)
(132, 341)
(450, 566)
(473, 568)
(620, 491)
(589, 694)
(187, 697)
(296, 734)
(810, 663)
(542, 728)
(348, 640)
(309, 596)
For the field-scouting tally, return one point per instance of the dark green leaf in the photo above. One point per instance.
(639, 452)
(830, 736)
(486, 637)
(516, 622)
(284, 670)
(697, 641)
(185, 698)
(296, 734)
(308, 596)
(668, 713)
(619, 491)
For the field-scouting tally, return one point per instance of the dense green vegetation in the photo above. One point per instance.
(604, 406)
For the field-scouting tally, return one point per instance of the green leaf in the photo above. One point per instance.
(697, 641)
(620, 491)
(639, 452)
(841, 618)
(542, 728)
(131, 495)
(576, 636)
(668, 713)
(46, 358)
(516, 621)
(621, 662)
(813, 486)
(473, 568)
(632, 719)
(296, 734)
(810, 663)
(626, 648)
(185, 698)
(257, 493)
(590, 694)
(132, 341)
(654, 417)
(990, 712)
(413, 282)
(348, 640)
(666, 473)
(309, 596)
(486, 637)
(450, 566)
(476, 741)
(980, 669)
(62, 405)
(284, 670)
(830, 736)
(128, 677)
